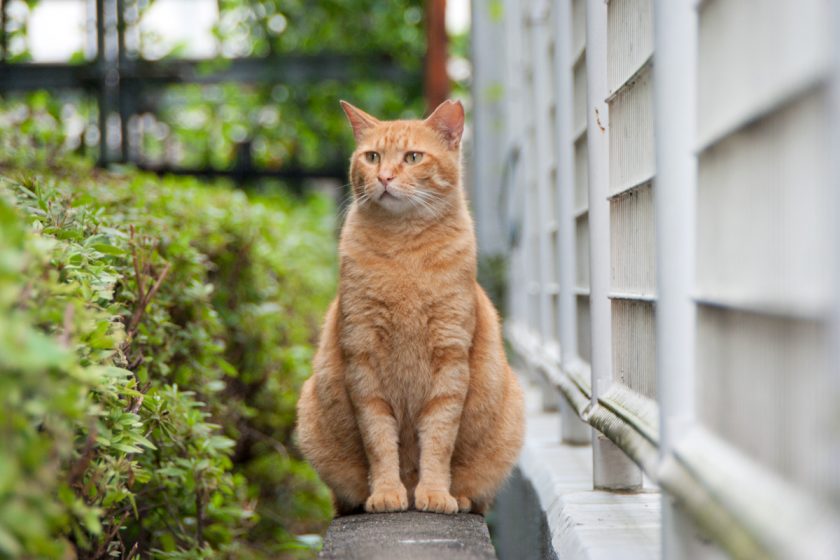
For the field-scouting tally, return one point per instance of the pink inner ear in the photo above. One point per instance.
(448, 120)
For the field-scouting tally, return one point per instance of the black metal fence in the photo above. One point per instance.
(124, 85)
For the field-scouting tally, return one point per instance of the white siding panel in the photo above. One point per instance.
(579, 96)
(632, 155)
(632, 243)
(759, 381)
(630, 32)
(582, 252)
(578, 27)
(763, 214)
(584, 329)
(581, 175)
(754, 54)
(634, 345)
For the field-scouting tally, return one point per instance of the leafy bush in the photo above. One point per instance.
(153, 337)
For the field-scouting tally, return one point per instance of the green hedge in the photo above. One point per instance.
(153, 337)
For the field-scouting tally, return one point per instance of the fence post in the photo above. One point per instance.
(675, 59)
(612, 469)
(573, 430)
(834, 177)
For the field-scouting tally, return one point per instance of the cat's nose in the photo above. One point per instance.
(385, 179)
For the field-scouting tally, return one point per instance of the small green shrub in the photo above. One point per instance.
(153, 338)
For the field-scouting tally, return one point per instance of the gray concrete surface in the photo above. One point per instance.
(410, 535)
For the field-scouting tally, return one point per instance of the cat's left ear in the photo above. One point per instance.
(448, 121)
(359, 120)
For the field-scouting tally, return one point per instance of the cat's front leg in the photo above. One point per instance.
(437, 429)
(380, 436)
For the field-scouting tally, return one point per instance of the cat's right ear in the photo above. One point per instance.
(359, 120)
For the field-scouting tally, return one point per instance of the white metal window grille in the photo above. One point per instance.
(763, 200)
(674, 253)
(631, 172)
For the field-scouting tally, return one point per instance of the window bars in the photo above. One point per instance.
(675, 278)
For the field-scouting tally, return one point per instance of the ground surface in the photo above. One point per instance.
(409, 535)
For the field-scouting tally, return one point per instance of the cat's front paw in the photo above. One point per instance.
(438, 501)
(386, 500)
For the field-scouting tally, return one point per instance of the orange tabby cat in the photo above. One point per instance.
(411, 401)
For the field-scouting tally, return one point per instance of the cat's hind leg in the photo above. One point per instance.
(330, 440)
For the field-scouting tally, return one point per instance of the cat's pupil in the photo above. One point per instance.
(372, 157)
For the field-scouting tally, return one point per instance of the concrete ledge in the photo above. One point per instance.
(549, 509)
(410, 535)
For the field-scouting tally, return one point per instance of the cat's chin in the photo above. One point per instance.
(393, 203)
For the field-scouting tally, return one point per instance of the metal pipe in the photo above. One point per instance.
(573, 430)
(612, 469)
(675, 107)
(541, 94)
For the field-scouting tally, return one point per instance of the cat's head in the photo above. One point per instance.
(410, 166)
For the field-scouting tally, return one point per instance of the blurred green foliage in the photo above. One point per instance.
(153, 337)
(287, 125)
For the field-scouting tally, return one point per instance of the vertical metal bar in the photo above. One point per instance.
(517, 285)
(675, 109)
(542, 156)
(834, 177)
(123, 95)
(565, 183)
(530, 228)
(612, 469)
(488, 147)
(101, 68)
(4, 39)
(573, 430)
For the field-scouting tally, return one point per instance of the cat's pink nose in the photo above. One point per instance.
(385, 180)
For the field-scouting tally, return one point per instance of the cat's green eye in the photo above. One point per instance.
(413, 157)
(372, 157)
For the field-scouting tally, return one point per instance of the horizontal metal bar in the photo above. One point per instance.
(799, 311)
(645, 298)
(760, 112)
(289, 69)
(581, 212)
(750, 511)
(293, 173)
(628, 419)
(625, 190)
(644, 67)
(581, 291)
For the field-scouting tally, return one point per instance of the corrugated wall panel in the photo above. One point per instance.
(632, 242)
(760, 382)
(582, 252)
(763, 214)
(578, 26)
(752, 54)
(630, 44)
(632, 155)
(584, 329)
(581, 174)
(579, 96)
(634, 345)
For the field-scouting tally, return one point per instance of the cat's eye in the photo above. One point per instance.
(413, 157)
(372, 157)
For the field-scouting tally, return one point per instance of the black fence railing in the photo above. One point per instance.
(125, 85)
